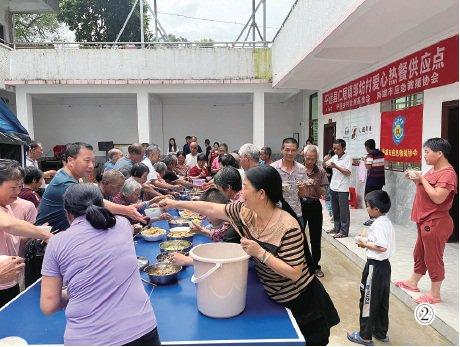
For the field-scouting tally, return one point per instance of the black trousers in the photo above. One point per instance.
(315, 314)
(369, 189)
(150, 339)
(312, 213)
(6, 295)
(374, 302)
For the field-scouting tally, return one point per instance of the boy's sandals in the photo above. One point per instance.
(404, 285)
(354, 337)
(427, 299)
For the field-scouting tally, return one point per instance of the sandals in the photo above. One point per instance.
(354, 337)
(427, 299)
(404, 285)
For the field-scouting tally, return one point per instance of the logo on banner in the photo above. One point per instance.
(398, 129)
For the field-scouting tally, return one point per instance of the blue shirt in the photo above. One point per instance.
(124, 165)
(109, 166)
(51, 208)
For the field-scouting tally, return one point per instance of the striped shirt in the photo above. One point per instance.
(284, 240)
(376, 174)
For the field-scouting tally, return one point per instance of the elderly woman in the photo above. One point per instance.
(310, 191)
(433, 200)
(91, 271)
(273, 237)
(12, 229)
(140, 173)
(33, 181)
(170, 177)
(228, 181)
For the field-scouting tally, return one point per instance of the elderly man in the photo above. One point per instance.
(195, 139)
(191, 158)
(135, 155)
(114, 154)
(111, 184)
(249, 156)
(153, 153)
(310, 191)
(291, 172)
(152, 156)
(35, 152)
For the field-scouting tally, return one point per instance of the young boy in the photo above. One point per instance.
(375, 283)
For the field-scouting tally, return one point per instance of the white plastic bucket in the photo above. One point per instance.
(221, 277)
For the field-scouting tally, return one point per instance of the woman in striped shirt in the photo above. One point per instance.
(272, 236)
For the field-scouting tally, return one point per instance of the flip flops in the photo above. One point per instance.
(427, 299)
(354, 337)
(404, 285)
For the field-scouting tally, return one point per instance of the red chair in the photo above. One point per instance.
(353, 199)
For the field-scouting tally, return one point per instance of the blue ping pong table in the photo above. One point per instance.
(263, 322)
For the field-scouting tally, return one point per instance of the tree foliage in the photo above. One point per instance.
(102, 20)
(37, 27)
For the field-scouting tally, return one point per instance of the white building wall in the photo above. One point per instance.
(222, 118)
(85, 119)
(225, 122)
(282, 120)
(139, 64)
(301, 34)
(432, 110)
(4, 65)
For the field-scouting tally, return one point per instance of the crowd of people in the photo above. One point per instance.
(267, 206)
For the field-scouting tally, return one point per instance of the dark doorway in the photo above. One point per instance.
(329, 137)
(449, 131)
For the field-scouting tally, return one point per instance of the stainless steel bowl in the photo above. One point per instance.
(162, 279)
(142, 262)
(170, 246)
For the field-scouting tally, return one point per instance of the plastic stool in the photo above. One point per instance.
(353, 200)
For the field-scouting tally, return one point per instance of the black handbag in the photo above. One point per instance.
(33, 258)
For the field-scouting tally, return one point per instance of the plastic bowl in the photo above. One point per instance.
(198, 182)
(156, 237)
(153, 212)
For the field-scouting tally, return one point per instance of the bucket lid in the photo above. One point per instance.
(195, 256)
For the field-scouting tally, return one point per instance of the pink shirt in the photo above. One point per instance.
(24, 210)
(9, 245)
(424, 208)
(215, 164)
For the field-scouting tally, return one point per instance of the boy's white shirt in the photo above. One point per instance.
(381, 233)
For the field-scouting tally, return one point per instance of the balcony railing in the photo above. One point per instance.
(138, 45)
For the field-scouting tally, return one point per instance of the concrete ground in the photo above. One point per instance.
(342, 279)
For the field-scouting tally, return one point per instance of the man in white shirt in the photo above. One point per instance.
(153, 154)
(35, 152)
(191, 158)
(339, 188)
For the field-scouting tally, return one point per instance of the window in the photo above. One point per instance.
(313, 117)
(400, 104)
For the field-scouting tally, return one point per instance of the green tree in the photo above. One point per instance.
(102, 20)
(174, 38)
(34, 27)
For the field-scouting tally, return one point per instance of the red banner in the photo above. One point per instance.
(431, 67)
(401, 134)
